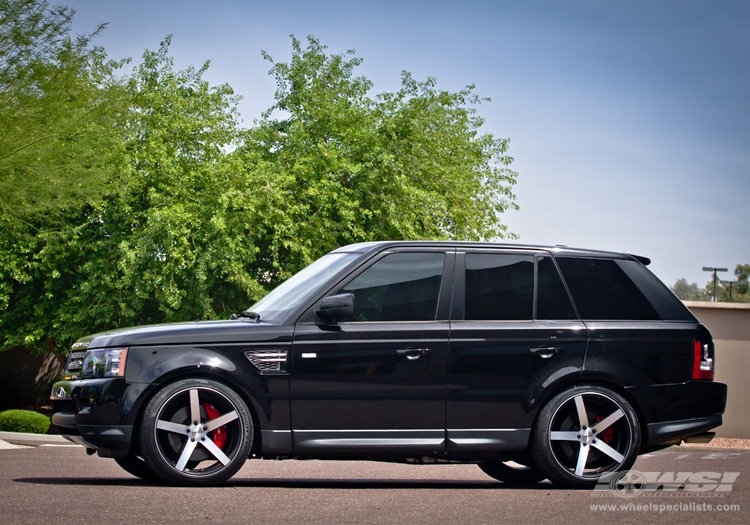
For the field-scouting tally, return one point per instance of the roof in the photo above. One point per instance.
(557, 250)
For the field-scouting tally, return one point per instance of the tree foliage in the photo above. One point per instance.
(159, 248)
(59, 110)
(735, 291)
(409, 164)
(689, 291)
(190, 216)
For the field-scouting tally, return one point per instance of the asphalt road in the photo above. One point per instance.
(55, 483)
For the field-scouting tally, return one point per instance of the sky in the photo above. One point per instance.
(628, 120)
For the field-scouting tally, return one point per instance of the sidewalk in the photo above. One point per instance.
(10, 440)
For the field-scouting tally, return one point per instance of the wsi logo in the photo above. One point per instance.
(633, 482)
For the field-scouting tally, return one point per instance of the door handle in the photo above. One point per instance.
(412, 353)
(544, 352)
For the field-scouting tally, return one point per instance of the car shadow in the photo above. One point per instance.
(294, 483)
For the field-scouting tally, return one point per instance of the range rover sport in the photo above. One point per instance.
(532, 362)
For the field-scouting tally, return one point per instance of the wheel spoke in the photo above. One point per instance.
(221, 420)
(583, 455)
(583, 419)
(562, 435)
(195, 409)
(601, 445)
(216, 451)
(186, 453)
(608, 421)
(170, 426)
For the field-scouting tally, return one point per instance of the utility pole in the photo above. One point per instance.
(714, 270)
(730, 283)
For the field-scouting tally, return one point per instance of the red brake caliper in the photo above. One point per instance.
(607, 434)
(218, 436)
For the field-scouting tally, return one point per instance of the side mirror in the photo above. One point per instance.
(336, 308)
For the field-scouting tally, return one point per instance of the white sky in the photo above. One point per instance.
(629, 120)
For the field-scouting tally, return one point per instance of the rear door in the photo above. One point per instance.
(514, 334)
(377, 383)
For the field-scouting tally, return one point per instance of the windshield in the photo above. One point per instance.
(298, 287)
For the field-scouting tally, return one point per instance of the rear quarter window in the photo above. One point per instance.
(603, 290)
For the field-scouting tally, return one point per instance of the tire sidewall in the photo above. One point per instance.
(543, 455)
(151, 449)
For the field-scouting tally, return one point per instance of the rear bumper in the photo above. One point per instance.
(675, 412)
(675, 431)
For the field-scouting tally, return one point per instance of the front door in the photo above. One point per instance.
(377, 383)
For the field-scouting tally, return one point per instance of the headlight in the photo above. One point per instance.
(107, 362)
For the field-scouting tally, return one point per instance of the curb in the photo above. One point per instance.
(9, 440)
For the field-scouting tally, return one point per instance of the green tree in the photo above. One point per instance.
(347, 167)
(200, 217)
(59, 106)
(689, 291)
(736, 290)
(60, 110)
(166, 245)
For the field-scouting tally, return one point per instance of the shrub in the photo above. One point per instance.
(24, 421)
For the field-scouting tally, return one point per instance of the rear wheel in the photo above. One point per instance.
(196, 432)
(512, 472)
(583, 435)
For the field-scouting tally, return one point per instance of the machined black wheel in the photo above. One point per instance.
(512, 472)
(583, 434)
(136, 466)
(196, 432)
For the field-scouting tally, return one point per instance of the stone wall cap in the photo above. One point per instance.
(717, 305)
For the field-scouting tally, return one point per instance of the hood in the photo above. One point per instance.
(196, 332)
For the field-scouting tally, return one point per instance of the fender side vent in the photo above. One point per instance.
(268, 361)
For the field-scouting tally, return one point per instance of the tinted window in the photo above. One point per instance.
(666, 304)
(499, 287)
(399, 287)
(552, 299)
(602, 290)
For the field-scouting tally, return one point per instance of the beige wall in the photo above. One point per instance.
(730, 326)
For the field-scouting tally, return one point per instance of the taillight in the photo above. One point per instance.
(703, 364)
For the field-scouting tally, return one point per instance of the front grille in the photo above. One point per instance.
(268, 361)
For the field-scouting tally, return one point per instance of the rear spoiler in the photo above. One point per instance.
(645, 261)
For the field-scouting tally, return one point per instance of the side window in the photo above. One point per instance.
(552, 300)
(602, 290)
(499, 287)
(399, 287)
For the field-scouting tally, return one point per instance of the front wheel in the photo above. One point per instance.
(584, 434)
(196, 432)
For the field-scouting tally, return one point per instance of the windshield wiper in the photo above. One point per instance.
(246, 314)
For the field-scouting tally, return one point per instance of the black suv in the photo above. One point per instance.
(533, 362)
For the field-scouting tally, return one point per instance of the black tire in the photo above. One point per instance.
(584, 435)
(196, 432)
(512, 472)
(137, 467)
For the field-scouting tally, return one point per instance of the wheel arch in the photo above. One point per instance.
(602, 382)
(136, 415)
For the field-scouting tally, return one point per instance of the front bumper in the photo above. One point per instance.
(107, 440)
(93, 413)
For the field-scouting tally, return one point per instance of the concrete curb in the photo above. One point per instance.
(4, 445)
(11, 440)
